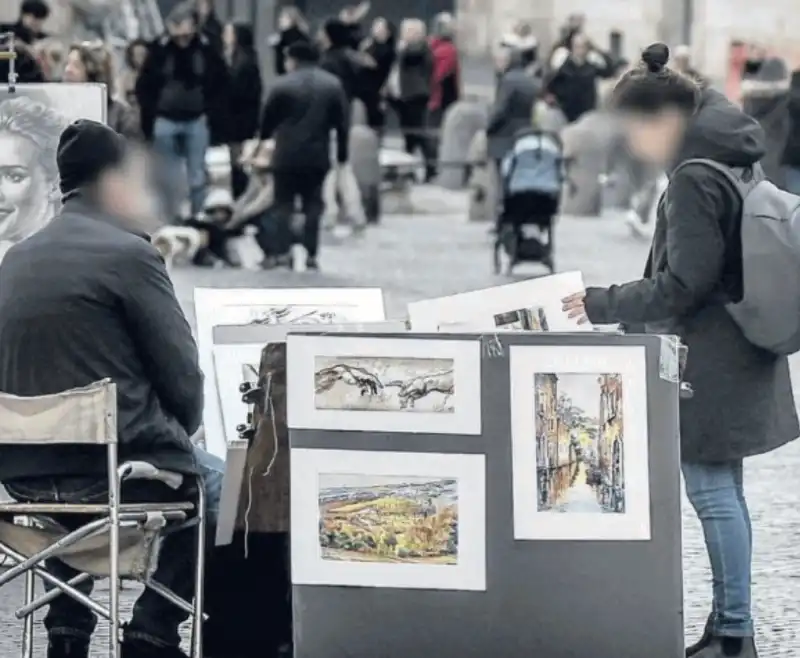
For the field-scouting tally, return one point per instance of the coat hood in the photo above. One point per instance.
(720, 131)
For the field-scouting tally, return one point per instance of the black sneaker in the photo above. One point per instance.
(141, 649)
(312, 263)
(67, 647)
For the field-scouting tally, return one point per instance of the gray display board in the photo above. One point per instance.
(553, 599)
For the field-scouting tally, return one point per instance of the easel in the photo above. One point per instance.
(10, 54)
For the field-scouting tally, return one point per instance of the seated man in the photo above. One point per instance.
(88, 297)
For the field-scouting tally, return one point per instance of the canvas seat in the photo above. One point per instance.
(115, 540)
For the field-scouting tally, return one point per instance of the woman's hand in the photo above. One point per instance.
(574, 308)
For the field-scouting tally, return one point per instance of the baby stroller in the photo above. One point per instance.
(532, 175)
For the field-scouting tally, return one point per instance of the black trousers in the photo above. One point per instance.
(276, 231)
(413, 116)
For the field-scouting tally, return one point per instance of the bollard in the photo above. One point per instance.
(462, 121)
(364, 158)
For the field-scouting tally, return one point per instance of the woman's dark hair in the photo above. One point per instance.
(245, 39)
(131, 47)
(652, 86)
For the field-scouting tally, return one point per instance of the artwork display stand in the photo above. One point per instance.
(558, 598)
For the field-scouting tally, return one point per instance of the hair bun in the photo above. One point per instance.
(655, 57)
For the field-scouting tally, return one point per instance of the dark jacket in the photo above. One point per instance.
(743, 403)
(512, 109)
(791, 151)
(244, 90)
(342, 62)
(211, 29)
(415, 72)
(301, 110)
(182, 84)
(574, 86)
(280, 42)
(28, 69)
(98, 304)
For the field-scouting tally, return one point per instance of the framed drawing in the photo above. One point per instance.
(388, 519)
(579, 435)
(384, 384)
(533, 305)
(220, 306)
(32, 119)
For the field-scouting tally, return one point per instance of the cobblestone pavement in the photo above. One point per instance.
(424, 256)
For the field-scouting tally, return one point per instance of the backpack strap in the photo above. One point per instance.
(743, 179)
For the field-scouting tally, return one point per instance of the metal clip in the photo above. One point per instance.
(10, 54)
(251, 394)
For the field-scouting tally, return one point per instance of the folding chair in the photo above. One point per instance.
(117, 540)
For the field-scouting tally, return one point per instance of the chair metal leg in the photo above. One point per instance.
(199, 576)
(113, 557)
(32, 606)
(27, 632)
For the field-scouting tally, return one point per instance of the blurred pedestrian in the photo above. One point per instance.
(181, 91)
(51, 55)
(446, 78)
(743, 403)
(27, 30)
(292, 27)
(381, 47)
(351, 16)
(791, 152)
(135, 56)
(415, 67)
(208, 24)
(339, 58)
(301, 111)
(244, 97)
(573, 74)
(522, 39)
(682, 62)
(765, 89)
(92, 62)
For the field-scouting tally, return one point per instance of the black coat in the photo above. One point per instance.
(342, 62)
(244, 98)
(214, 82)
(415, 72)
(743, 403)
(27, 68)
(98, 304)
(574, 85)
(280, 42)
(301, 110)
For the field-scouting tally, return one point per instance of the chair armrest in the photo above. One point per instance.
(139, 470)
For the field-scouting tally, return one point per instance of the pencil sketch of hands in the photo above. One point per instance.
(416, 388)
(367, 382)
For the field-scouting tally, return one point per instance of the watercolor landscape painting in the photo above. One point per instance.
(384, 384)
(388, 519)
(523, 319)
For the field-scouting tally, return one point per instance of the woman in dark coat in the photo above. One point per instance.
(743, 403)
(244, 97)
(381, 47)
(292, 28)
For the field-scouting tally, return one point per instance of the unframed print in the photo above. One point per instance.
(388, 519)
(220, 306)
(579, 436)
(31, 122)
(384, 384)
(532, 305)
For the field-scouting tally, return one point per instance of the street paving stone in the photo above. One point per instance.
(425, 256)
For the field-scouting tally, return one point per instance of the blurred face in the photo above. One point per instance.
(24, 188)
(580, 46)
(182, 33)
(229, 36)
(285, 20)
(127, 192)
(33, 23)
(74, 71)
(380, 30)
(758, 53)
(138, 55)
(412, 33)
(203, 7)
(655, 139)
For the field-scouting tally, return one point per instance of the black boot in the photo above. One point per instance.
(67, 647)
(729, 647)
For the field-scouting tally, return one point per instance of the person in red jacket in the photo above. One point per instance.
(446, 78)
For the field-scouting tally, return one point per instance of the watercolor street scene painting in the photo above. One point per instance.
(371, 383)
(579, 443)
(390, 519)
(523, 319)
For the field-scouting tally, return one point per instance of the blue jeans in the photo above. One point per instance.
(791, 179)
(154, 620)
(189, 140)
(716, 491)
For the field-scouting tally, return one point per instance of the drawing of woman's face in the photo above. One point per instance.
(24, 189)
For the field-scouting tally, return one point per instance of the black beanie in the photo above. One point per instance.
(337, 31)
(85, 150)
(302, 51)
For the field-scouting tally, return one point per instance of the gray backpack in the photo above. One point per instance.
(769, 312)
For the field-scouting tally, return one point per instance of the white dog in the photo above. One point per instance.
(178, 244)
